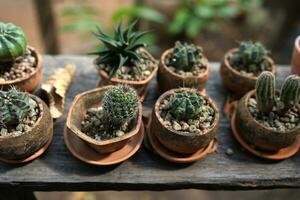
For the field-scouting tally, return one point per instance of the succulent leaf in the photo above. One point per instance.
(290, 92)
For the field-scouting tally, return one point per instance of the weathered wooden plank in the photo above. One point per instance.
(57, 169)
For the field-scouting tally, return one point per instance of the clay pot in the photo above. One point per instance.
(24, 145)
(181, 141)
(296, 57)
(29, 83)
(80, 105)
(235, 81)
(258, 135)
(168, 79)
(140, 86)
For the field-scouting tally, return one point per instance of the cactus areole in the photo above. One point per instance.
(12, 42)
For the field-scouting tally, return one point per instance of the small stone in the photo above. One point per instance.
(192, 128)
(229, 151)
(147, 73)
(189, 74)
(185, 126)
(3, 131)
(176, 126)
(284, 119)
(119, 133)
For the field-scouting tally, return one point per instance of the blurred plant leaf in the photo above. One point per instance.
(181, 17)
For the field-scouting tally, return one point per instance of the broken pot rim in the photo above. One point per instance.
(41, 107)
(87, 138)
(187, 133)
(238, 73)
(129, 82)
(163, 64)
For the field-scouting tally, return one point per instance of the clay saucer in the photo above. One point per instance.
(280, 155)
(83, 152)
(178, 157)
(33, 156)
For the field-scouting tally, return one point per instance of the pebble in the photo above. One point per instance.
(176, 126)
(185, 126)
(119, 133)
(229, 151)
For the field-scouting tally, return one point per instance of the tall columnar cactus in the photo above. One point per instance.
(184, 56)
(185, 105)
(14, 106)
(290, 92)
(12, 42)
(265, 92)
(120, 105)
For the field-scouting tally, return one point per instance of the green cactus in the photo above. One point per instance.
(250, 57)
(185, 105)
(265, 92)
(120, 105)
(120, 49)
(290, 92)
(184, 56)
(12, 42)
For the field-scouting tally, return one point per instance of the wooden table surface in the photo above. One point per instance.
(58, 170)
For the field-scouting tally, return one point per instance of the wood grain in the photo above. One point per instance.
(58, 170)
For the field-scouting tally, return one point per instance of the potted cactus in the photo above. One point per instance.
(296, 57)
(125, 59)
(266, 119)
(20, 65)
(184, 121)
(183, 66)
(25, 124)
(241, 67)
(106, 118)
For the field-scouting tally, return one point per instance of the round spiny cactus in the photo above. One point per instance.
(265, 92)
(184, 56)
(185, 105)
(120, 105)
(290, 92)
(12, 42)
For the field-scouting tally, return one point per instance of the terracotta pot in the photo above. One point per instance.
(22, 146)
(234, 80)
(80, 105)
(140, 86)
(31, 82)
(296, 57)
(168, 79)
(258, 135)
(181, 141)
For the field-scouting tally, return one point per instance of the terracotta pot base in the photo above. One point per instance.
(33, 156)
(85, 153)
(175, 157)
(281, 154)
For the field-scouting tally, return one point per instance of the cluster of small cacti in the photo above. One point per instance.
(250, 57)
(266, 95)
(185, 56)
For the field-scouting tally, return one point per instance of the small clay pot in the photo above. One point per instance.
(29, 83)
(182, 141)
(258, 135)
(168, 79)
(140, 86)
(234, 80)
(78, 109)
(26, 144)
(296, 57)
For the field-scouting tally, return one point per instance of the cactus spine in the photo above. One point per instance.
(265, 92)
(290, 92)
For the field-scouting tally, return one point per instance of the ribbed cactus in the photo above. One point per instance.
(120, 104)
(12, 42)
(184, 56)
(14, 106)
(290, 92)
(185, 105)
(265, 92)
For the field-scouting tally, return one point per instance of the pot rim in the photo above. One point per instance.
(41, 109)
(252, 94)
(186, 133)
(297, 44)
(238, 73)
(38, 67)
(104, 74)
(87, 138)
(163, 64)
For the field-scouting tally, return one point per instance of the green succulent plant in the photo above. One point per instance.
(290, 92)
(250, 57)
(185, 105)
(12, 42)
(184, 56)
(120, 105)
(121, 49)
(265, 92)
